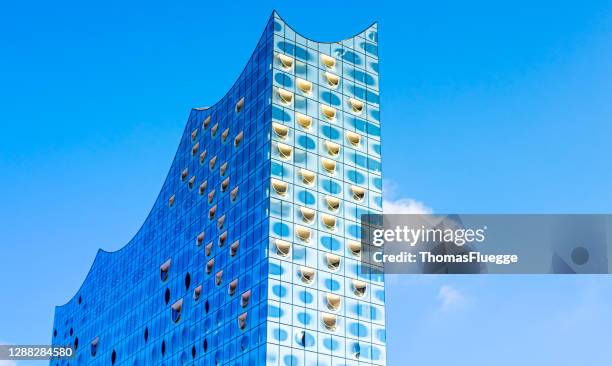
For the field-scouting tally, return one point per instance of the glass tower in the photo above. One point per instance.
(251, 252)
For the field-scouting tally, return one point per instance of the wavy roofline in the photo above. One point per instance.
(101, 252)
(374, 24)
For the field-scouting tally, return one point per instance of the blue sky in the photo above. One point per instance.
(486, 107)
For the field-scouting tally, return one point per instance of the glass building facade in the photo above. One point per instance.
(250, 254)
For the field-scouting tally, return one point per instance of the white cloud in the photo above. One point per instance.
(405, 206)
(451, 298)
(394, 203)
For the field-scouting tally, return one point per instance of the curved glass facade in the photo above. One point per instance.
(250, 255)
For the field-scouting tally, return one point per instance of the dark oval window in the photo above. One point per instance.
(205, 345)
(193, 352)
(206, 306)
(54, 332)
(113, 357)
(80, 300)
(71, 331)
(146, 334)
(187, 281)
(167, 296)
(76, 343)
(163, 348)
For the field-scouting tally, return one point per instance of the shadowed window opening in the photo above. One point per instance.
(333, 261)
(167, 296)
(353, 137)
(238, 139)
(333, 301)
(286, 61)
(328, 61)
(242, 320)
(203, 187)
(279, 186)
(356, 350)
(177, 309)
(195, 148)
(284, 150)
(94, 346)
(234, 194)
(329, 112)
(358, 193)
(210, 265)
(232, 287)
(197, 293)
(187, 281)
(328, 165)
(283, 248)
(329, 321)
(333, 149)
(222, 239)
(184, 174)
(240, 105)
(219, 278)
(359, 287)
(308, 177)
(234, 248)
(308, 214)
(285, 96)
(355, 247)
(280, 130)
(221, 222)
(200, 238)
(246, 297)
(303, 120)
(303, 233)
(307, 274)
(164, 269)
